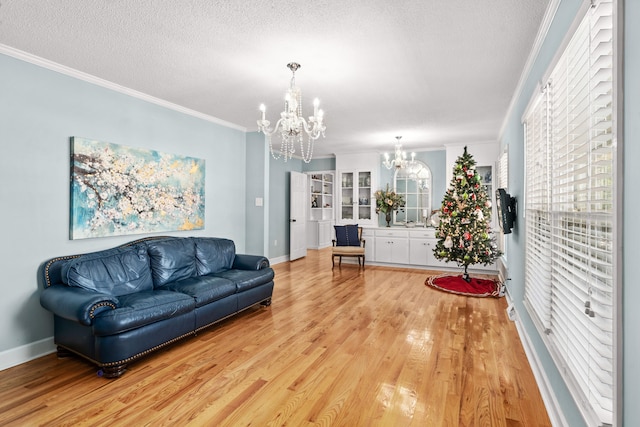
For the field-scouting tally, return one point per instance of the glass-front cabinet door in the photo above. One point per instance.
(346, 200)
(364, 202)
(356, 204)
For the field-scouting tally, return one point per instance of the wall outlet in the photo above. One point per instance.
(275, 242)
(511, 312)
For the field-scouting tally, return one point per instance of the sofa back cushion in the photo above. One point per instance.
(118, 272)
(172, 259)
(214, 254)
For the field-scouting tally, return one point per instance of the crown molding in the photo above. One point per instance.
(71, 72)
(549, 15)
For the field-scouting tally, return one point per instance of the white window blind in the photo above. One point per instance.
(569, 213)
(538, 215)
(502, 167)
(503, 170)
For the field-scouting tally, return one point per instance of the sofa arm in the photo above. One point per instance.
(76, 304)
(250, 262)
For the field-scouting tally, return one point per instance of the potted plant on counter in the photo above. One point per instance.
(388, 201)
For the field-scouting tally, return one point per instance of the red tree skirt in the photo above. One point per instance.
(474, 288)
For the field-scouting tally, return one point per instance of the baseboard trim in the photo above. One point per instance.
(556, 416)
(24, 353)
(278, 260)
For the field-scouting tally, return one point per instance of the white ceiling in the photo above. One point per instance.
(434, 71)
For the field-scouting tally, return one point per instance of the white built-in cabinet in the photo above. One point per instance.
(369, 243)
(355, 195)
(421, 246)
(319, 234)
(357, 178)
(486, 179)
(392, 246)
(408, 247)
(321, 208)
(321, 196)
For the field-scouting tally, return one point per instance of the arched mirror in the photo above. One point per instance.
(414, 183)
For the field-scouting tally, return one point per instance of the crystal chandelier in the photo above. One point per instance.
(400, 160)
(292, 126)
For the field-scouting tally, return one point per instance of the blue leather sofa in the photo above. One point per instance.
(116, 305)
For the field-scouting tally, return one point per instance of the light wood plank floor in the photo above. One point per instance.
(337, 348)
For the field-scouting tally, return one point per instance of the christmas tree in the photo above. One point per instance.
(464, 233)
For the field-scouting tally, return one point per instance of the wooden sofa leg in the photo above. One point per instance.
(62, 352)
(112, 371)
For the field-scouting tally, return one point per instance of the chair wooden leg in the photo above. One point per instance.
(333, 261)
(340, 262)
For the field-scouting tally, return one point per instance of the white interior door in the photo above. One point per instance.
(297, 216)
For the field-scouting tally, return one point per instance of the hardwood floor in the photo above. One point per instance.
(336, 348)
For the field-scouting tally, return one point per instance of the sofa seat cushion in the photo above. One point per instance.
(204, 289)
(140, 309)
(247, 279)
(114, 272)
(172, 259)
(214, 254)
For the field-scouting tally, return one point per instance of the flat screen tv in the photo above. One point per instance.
(506, 206)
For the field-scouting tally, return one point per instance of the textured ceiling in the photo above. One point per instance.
(433, 71)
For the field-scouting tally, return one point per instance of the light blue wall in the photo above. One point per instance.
(257, 187)
(631, 227)
(324, 164)
(514, 138)
(39, 110)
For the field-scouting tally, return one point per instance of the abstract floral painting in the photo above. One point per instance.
(118, 190)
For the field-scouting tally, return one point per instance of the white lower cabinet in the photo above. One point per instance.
(421, 253)
(392, 246)
(409, 247)
(324, 233)
(419, 250)
(369, 244)
(319, 234)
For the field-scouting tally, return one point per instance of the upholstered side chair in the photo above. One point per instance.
(349, 243)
